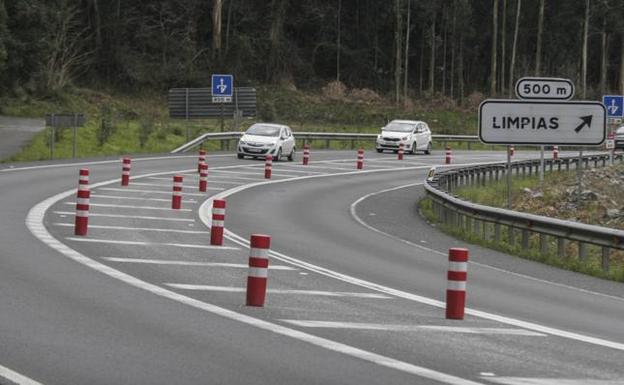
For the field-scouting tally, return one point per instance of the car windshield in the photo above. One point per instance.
(262, 130)
(399, 127)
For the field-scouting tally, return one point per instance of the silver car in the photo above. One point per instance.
(262, 139)
(415, 135)
(619, 137)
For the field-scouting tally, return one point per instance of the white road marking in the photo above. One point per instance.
(549, 381)
(131, 207)
(16, 378)
(260, 173)
(218, 177)
(125, 228)
(120, 197)
(191, 263)
(321, 293)
(413, 328)
(137, 243)
(323, 167)
(34, 222)
(205, 218)
(129, 216)
(153, 191)
(285, 167)
(185, 186)
(371, 228)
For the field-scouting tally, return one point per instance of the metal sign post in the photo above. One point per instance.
(222, 92)
(542, 165)
(509, 181)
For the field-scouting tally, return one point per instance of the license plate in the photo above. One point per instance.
(253, 150)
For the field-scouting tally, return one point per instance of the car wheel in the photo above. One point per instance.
(240, 156)
(428, 150)
(278, 155)
(413, 148)
(379, 150)
(291, 156)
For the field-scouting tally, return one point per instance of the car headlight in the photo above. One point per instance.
(378, 137)
(242, 142)
(405, 138)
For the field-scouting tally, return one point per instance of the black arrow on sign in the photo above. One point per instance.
(586, 121)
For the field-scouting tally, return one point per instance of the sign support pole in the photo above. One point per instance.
(221, 116)
(75, 136)
(579, 176)
(509, 182)
(542, 165)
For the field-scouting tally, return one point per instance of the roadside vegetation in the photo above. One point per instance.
(123, 124)
(599, 203)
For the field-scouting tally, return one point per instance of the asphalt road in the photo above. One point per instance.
(16, 133)
(354, 290)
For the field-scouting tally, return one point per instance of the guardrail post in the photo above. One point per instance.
(606, 254)
(468, 223)
(475, 226)
(496, 171)
(543, 243)
(327, 144)
(530, 169)
(567, 164)
(561, 243)
(523, 170)
(582, 250)
(558, 165)
(485, 230)
(468, 145)
(472, 177)
(497, 232)
(525, 239)
(510, 235)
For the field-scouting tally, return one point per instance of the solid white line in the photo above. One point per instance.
(415, 328)
(432, 251)
(205, 218)
(191, 263)
(184, 186)
(16, 378)
(549, 381)
(150, 191)
(282, 168)
(34, 222)
(128, 216)
(120, 197)
(136, 229)
(137, 243)
(321, 293)
(131, 207)
(260, 173)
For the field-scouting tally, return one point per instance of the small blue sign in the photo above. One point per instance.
(614, 105)
(222, 85)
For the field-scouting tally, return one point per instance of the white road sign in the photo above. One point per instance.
(544, 88)
(543, 122)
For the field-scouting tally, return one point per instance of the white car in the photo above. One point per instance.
(415, 135)
(619, 137)
(262, 139)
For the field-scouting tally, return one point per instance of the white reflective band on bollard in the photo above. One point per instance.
(458, 266)
(456, 285)
(258, 272)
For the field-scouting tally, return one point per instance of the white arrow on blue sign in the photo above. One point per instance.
(614, 105)
(222, 88)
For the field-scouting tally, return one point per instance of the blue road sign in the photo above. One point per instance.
(222, 85)
(614, 105)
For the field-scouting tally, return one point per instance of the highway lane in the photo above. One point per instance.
(286, 361)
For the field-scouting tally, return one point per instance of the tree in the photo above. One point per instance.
(398, 44)
(538, 48)
(494, 46)
(584, 50)
(514, 46)
(217, 6)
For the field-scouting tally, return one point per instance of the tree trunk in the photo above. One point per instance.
(444, 39)
(432, 59)
(407, 39)
(398, 45)
(513, 49)
(338, 42)
(453, 40)
(503, 49)
(227, 28)
(275, 59)
(622, 63)
(603, 61)
(217, 5)
(584, 54)
(460, 68)
(494, 46)
(421, 68)
(540, 30)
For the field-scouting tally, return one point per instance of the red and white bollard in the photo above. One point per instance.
(360, 159)
(449, 155)
(176, 198)
(202, 159)
(258, 269)
(268, 166)
(125, 172)
(512, 150)
(556, 152)
(218, 221)
(306, 154)
(456, 289)
(400, 152)
(203, 177)
(82, 203)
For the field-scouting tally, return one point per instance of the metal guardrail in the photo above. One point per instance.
(489, 222)
(307, 136)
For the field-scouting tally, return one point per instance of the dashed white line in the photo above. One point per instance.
(138, 243)
(191, 263)
(413, 328)
(128, 216)
(127, 228)
(549, 381)
(15, 377)
(152, 191)
(130, 207)
(320, 293)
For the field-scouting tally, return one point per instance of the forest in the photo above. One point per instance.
(398, 48)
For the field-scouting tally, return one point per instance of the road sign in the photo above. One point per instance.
(544, 88)
(610, 143)
(547, 123)
(222, 88)
(614, 105)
